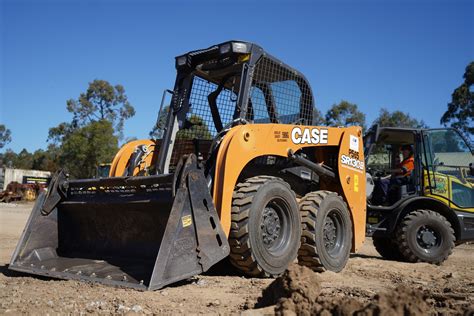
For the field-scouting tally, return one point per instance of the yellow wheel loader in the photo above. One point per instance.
(237, 169)
(426, 213)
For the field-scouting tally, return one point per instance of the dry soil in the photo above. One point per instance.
(369, 285)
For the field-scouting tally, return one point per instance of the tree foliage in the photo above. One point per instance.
(345, 114)
(5, 136)
(197, 127)
(84, 148)
(398, 119)
(100, 102)
(38, 160)
(318, 118)
(92, 135)
(460, 113)
(158, 129)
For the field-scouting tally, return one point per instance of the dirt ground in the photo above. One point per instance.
(445, 289)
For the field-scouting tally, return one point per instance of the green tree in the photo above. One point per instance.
(345, 114)
(197, 127)
(318, 118)
(93, 133)
(5, 136)
(8, 158)
(101, 101)
(24, 160)
(460, 113)
(158, 130)
(85, 147)
(46, 159)
(398, 119)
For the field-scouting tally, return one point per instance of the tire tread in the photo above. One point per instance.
(241, 255)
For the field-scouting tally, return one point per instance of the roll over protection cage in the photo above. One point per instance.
(186, 66)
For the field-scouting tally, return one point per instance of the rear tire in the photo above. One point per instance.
(327, 232)
(387, 248)
(425, 236)
(265, 229)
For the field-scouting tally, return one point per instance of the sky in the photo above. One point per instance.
(399, 55)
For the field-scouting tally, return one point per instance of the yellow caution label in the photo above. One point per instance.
(186, 220)
(356, 183)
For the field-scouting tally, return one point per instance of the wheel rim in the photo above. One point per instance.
(428, 238)
(274, 226)
(333, 233)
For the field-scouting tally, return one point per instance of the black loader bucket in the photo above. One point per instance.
(139, 232)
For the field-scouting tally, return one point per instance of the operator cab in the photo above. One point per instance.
(223, 86)
(384, 162)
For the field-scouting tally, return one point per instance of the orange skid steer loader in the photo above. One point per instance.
(237, 169)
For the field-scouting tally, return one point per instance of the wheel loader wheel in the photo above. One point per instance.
(387, 248)
(266, 229)
(425, 236)
(327, 232)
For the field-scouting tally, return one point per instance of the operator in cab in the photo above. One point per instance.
(399, 176)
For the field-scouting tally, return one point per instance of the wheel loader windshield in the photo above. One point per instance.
(448, 159)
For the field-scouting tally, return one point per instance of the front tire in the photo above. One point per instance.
(425, 236)
(387, 248)
(265, 229)
(327, 232)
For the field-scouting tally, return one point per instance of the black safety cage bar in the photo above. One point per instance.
(248, 83)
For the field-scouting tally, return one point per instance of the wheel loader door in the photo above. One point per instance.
(447, 176)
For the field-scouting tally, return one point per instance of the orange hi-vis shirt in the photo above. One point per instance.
(407, 166)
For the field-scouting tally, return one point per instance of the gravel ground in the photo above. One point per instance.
(448, 288)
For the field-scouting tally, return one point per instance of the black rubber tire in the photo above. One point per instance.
(387, 248)
(411, 245)
(258, 248)
(315, 208)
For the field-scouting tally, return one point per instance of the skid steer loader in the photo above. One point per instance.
(237, 168)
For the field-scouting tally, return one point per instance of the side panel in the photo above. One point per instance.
(442, 190)
(246, 142)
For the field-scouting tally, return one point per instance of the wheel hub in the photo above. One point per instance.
(270, 226)
(330, 233)
(426, 237)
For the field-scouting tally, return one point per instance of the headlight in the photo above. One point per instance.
(226, 48)
(240, 48)
(181, 60)
(234, 47)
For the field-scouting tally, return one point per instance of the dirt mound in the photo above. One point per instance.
(298, 291)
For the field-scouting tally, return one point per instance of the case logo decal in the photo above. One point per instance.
(309, 135)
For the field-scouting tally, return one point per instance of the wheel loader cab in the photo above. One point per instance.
(434, 209)
(237, 168)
